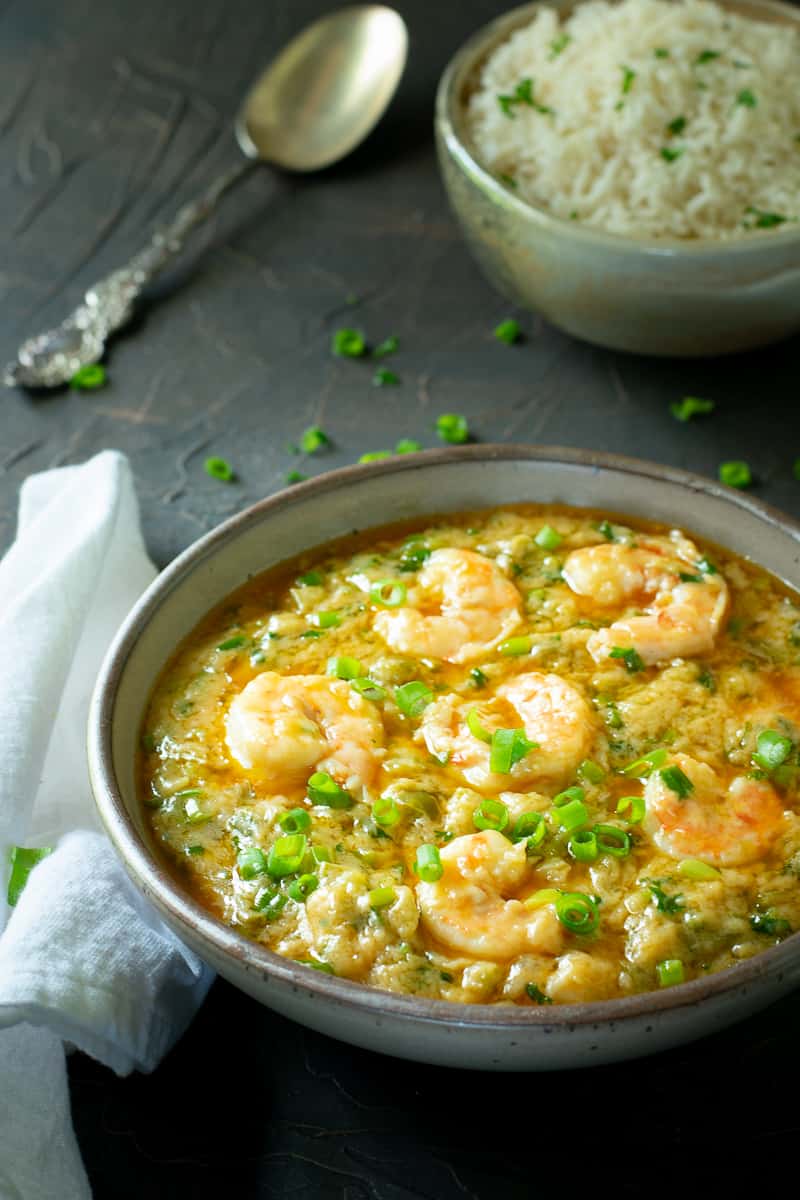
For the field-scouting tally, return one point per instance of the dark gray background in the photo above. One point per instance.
(111, 113)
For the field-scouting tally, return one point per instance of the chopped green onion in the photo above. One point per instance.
(428, 864)
(88, 378)
(646, 764)
(508, 747)
(413, 555)
(690, 406)
(313, 633)
(764, 220)
(508, 180)
(381, 896)
(706, 680)
(368, 688)
(536, 994)
(389, 345)
(310, 579)
(314, 963)
(611, 840)
(548, 538)
(746, 98)
(577, 912)
(251, 862)
(324, 790)
(295, 477)
(270, 902)
(385, 812)
(383, 377)
(234, 643)
(508, 331)
(693, 868)
(344, 667)
(529, 827)
(669, 972)
(389, 593)
(661, 52)
(583, 846)
(452, 427)
(632, 659)
(295, 821)
(769, 924)
(663, 901)
(706, 56)
(407, 446)
(476, 729)
(478, 678)
(490, 814)
(321, 854)
(302, 887)
(572, 815)
(287, 854)
(772, 749)
(195, 815)
(314, 439)
(413, 698)
(542, 897)
(735, 474)
(677, 781)
(348, 343)
(607, 530)
(328, 620)
(628, 77)
(375, 456)
(636, 806)
(676, 126)
(568, 795)
(219, 468)
(590, 772)
(195, 850)
(516, 646)
(23, 860)
(670, 153)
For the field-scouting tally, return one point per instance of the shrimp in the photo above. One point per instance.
(682, 616)
(461, 607)
(727, 828)
(552, 713)
(284, 727)
(467, 911)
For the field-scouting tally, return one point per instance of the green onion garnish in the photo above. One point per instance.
(412, 556)
(324, 790)
(270, 902)
(746, 98)
(516, 646)
(219, 468)
(328, 620)
(383, 377)
(676, 126)
(302, 887)
(195, 815)
(287, 854)
(568, 795)
(234, 643)
(452, 427)
(23, 860)
(577, 912)
(476, 729)
(368, 688)
(386, 812)
(536, 994)
(613, 841)
(772, 749)
(770, 924)
(348, 343)
(478, 678)
(315, 963)
(310, 579)
(508, 747)
(389, 345)
(646, 764)
(490, 814)
(295, 821)
(670, 153)
(590, 772)
(428, 864)
(690, 406)
(548, 538)
(634, 806)
(607, 530)
(375, 456)
(195, 850)
(571, 815)
(530, 827)
(632, 659)
(706, 56)
(677, 781)
(413, 698)
(583, 845)
(389, 593)
(381, 896)
(661, 52)
(628, 77)
(251, 862)
(693, 868)
(669, 972)
(663, 901)
(344, 667)
(763, 220)
(735, 474)
(407, 446)
(87, 379)
(314, 439)
(508, 331)
(295, 477)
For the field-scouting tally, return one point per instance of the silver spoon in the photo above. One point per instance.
(312, 105)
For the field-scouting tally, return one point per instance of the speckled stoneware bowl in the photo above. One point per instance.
(435, 1031)
(665, 296)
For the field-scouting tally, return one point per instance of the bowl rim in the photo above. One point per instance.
(159, 886)
(447, 104)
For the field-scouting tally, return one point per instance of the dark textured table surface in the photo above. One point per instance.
(112, 112)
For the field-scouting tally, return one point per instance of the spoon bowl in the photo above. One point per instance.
(326, 90)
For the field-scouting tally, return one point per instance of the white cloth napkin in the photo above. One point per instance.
(83, 959)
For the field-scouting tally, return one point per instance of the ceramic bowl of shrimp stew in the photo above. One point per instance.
(486, 757)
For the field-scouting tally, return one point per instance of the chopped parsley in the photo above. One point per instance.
(670, 153)
(507, 331)
(385, 378)
(607, 530)
(664, 902)
(348, 343)
(706, 56)
(690, 406)
(478, 678)
(677, 781)
(746, 98)
(762, 219)
(295, 477)
(661, 52)
(522, 94)
(559, 45)
(536, 994)
(632, 659)
(628, 77)
(453, 428)
(677, 126)
(314, 439)
(735, 474)
(407, 446)
(769, 924)
(219, 468)
(706, 680)
(508, 180)
(389, 345)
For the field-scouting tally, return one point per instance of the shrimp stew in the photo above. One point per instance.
(528, 755)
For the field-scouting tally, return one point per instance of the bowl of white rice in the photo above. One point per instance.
(631, 170)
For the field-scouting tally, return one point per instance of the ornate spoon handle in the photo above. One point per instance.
(52, 358)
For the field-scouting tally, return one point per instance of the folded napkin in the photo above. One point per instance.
(83, 958)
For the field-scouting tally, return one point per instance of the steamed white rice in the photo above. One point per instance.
(659, 118)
